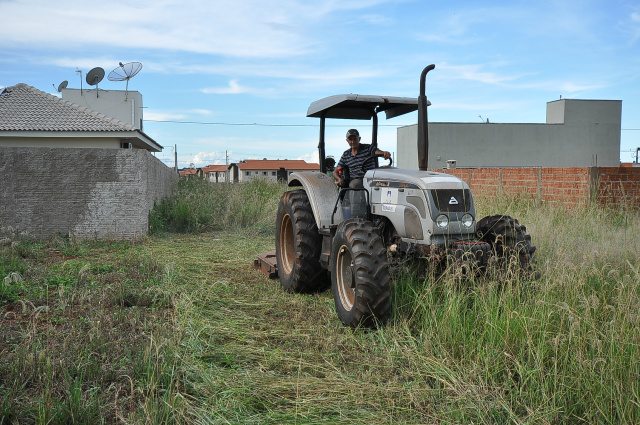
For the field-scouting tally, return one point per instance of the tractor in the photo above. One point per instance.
(354, 234)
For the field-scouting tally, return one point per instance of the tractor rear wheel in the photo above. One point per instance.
(298, 245)
(509, 240)
(360, 274)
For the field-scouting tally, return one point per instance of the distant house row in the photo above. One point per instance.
(250, 169)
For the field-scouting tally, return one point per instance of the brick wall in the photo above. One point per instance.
(571, 186)
(87, 193)
(619, 185)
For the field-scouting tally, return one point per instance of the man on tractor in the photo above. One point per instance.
(353, 158)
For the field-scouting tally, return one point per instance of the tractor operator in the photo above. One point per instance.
(354, 157)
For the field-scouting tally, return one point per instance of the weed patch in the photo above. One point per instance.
(199, 206)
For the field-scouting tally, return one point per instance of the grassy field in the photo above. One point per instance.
(178, 328)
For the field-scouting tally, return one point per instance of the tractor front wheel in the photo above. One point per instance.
(360, 274)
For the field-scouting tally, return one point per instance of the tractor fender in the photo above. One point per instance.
(322, 193)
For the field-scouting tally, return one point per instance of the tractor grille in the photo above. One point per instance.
(452, 200)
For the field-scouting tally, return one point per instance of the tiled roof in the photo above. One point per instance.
(188, 172)
(25, 108)
(276, 164)
(214, 168)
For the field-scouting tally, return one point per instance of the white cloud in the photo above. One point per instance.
(634, 28)
(174, 116)
(202, 111)
(233, 88)
(476, 73)
(311, 158)
(163, 116)
(377, 20)
(202, 159)
(248, 28)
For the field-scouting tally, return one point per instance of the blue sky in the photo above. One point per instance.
(236, 76)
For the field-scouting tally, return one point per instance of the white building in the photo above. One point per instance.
(578, 133)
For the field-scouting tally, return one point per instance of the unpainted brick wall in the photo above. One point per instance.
(87, 193)
(618, 186)
(570, 186)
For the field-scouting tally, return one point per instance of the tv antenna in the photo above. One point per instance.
(79, 71)
(94, 77)
(125, 72)
(63, 85)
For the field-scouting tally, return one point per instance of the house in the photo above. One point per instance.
(213, 173)
(188, 172)
(577, 133)
(32, 118)
(271, 170)
(69, 170)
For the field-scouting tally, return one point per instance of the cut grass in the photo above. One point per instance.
(76, 343)
(181, 329)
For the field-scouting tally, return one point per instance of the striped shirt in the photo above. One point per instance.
(354, 163)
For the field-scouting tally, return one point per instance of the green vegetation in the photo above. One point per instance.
(199, 206)
(179, 328)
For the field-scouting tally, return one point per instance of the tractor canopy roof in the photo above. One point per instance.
(361, 107)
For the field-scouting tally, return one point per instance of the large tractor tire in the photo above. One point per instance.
(360, 274)
(509, 240)
(298, 245)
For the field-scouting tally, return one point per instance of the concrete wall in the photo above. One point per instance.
(88, 193)
(126, 107)
(578, 133)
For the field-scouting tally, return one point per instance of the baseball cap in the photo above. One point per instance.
(353, 132)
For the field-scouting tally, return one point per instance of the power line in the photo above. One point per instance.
(263, 125)
(255, 124)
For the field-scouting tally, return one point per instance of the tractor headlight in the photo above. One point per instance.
(442, 221)
(467, 220)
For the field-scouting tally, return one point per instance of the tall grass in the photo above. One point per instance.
(200, 206)
(562, 349)
(183, 330)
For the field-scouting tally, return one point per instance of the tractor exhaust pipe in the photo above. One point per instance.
(423, 123)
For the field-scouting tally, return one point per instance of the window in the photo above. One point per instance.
(264, 173)
(247, 173)
(256, 173)
(273, 173)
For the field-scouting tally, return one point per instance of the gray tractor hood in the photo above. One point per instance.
(361, 107)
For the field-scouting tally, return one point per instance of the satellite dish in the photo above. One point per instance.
(63, 85)
(125, 72)
(94, 77)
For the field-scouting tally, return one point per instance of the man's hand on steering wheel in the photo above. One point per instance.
(385, 155)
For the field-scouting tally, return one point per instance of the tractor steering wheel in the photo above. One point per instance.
(374, 156)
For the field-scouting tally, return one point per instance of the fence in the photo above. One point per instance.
(610, 186)
(87, 193)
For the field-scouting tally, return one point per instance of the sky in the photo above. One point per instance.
(227, 80)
